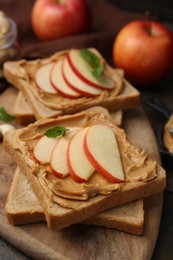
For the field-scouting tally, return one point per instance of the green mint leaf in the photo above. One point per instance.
(97, 72)
(56, 131)
(4, 116)
(94, 61)
(90, 58)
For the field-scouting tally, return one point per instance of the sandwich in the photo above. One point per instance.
(22, 206)
(70, 81)
(81, 165)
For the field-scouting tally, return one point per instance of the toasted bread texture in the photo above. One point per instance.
(57, 216)
(21, 75)
(25, 114)
(23, 207)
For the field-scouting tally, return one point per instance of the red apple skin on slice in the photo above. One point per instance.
(42, 78)
(79, 166)
(76, 83)
(58, 161)
(84, 71)
(58, 82)
(101, 148)
(43, 149)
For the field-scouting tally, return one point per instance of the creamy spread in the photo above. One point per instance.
(66, 192)
(27, 70)
(168, 135)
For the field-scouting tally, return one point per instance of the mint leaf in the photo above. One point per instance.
(90, 57)
(94, 61)
(97, 72)
(4, 116)
(56, 131)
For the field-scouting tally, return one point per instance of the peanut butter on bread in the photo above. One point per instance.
(21, 74)
(143, 177)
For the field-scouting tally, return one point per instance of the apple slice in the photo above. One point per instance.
(79, 166)
(58, 161)
(43, 149)
(101, 148)
(76, 83)
(42, 78)
(84, 71)
(59, 83)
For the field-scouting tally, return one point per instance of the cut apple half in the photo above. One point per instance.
(102, 151)
(59, 83)
(58, 161)
(76, 83)
(79, 166)
(42, 78)
(43, 149)
(84, 71)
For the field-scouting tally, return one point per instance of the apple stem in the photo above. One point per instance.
(59, 1)
(148, 22)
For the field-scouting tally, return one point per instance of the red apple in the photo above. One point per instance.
(58, 160)
(79, 166)
(76, 83)
(42, 78)
(52, 19)
(102, 151)
(43, 149)
(84, 71)
(144, 50)
(58, 82)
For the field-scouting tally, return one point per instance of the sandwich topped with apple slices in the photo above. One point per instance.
(70, 81)
(82, 164)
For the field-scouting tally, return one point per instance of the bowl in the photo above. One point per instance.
(8, 43)
(166, 156)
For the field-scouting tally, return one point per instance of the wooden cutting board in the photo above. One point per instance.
(82, 241)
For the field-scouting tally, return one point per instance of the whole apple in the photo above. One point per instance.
(52, 19)
(144, 50)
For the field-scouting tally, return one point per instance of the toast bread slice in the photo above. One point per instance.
(25, 115)
(46, 105)
(58, 217)
(23, 207)
(22, 111)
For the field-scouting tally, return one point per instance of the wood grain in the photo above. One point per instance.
(81, 241)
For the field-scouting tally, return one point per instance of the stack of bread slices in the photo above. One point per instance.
(74, 162)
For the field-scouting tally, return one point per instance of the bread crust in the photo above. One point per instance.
(22, 111)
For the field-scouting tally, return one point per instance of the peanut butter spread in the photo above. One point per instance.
(168, 135)
(67, 192)
(27, 70)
